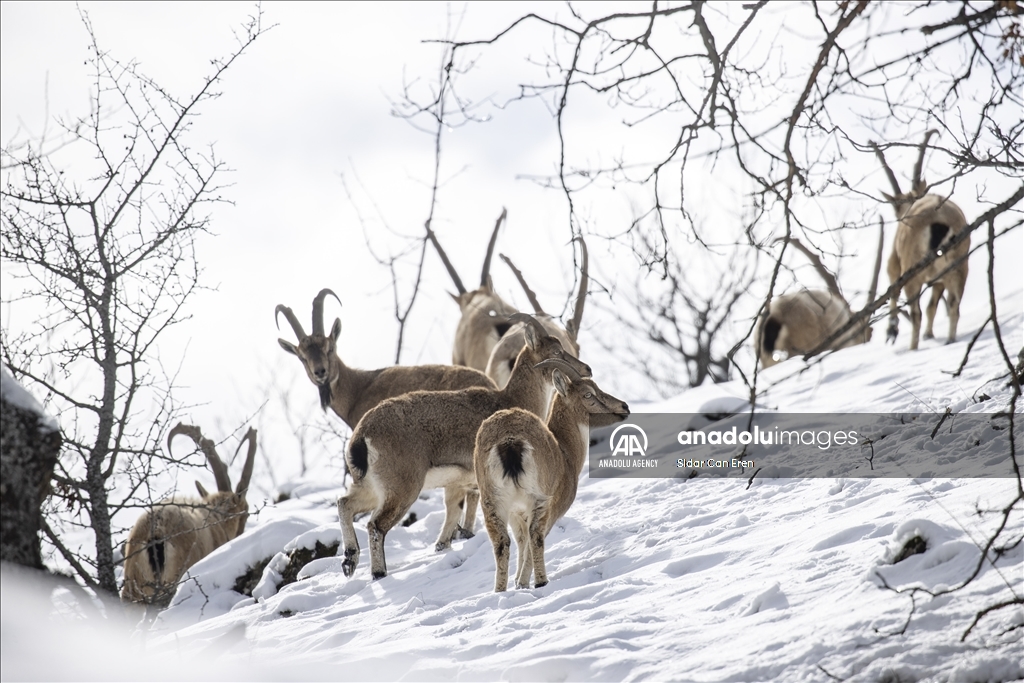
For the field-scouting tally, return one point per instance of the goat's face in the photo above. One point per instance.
(230, 507)
(591, 397)
(319, 355)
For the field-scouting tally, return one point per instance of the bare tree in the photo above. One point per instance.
(100, 236)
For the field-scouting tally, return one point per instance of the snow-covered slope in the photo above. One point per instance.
(693, 580)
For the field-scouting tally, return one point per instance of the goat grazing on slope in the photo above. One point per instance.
(503, 356)
(177, 532)
(927, 222)
(425, 440)
(484, 314)
(799, 322)
(528, 471)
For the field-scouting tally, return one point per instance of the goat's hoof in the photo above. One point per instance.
(540, 584)
(928, 335)
(348, 565)
(379, 575)
(463, 532)
(522, 586)
(441, 546)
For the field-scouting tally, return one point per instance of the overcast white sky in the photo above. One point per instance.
(308, 103)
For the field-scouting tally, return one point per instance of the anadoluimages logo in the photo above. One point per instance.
(626, 440)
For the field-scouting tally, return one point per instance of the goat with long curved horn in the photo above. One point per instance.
(177, 532)
(499, 365)
(483, 312)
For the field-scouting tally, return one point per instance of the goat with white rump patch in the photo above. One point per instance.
(177, 532)
(927, 222)
(425, 440)
(528, 471)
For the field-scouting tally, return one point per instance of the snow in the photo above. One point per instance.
(694, 580)
(15, 394)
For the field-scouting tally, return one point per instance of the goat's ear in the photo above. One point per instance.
(489, 285)
(920, 189)
(202, 492)
(288, 346)
(336, 330)
(562, 383)
(531, 337)
(889, 198)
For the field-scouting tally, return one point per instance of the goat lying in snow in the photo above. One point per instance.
(528, 470)
(177, 532)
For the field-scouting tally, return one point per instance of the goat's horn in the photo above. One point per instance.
(220, 470)
(888, 171)
(573, 328)
(243, 482)
(522, 283)
(444, 259)
(920, 158)
(318, 310)
(490, 247)
(561, 365)
(292, 320)
(529, 320)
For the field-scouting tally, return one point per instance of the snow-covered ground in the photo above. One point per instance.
(693, 580)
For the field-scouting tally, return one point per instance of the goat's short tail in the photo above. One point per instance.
(772, 327)
(157, 560)
(510, 454)
(359, 457)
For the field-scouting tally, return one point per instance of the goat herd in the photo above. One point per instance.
(477, 429)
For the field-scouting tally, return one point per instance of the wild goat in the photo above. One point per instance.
(927, 222)
(799, 322)
(351, 393)
(425, 440)
(528, 471)
(484, 314)
(177, 532)
(503, 356)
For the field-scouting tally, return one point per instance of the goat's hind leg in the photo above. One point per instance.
(360, 498)
(497, 529)
(929, 313)
(384, 519)
(524, 562)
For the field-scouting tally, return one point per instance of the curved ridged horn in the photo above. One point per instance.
(318, 310)
(888, 171)
(522, 283)
(490, 247)
(243, 482)
(561, 365)
(220, 470)
(292, 320)
(444, 259)
(873, 289)
(573, 328)
(829, 278)
(920, 159)
(529, 320)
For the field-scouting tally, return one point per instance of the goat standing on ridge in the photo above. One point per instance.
(927, 222)
(177, 532)
(528, 471)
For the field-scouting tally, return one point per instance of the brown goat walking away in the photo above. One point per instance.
(927, 222)
(528, 471)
